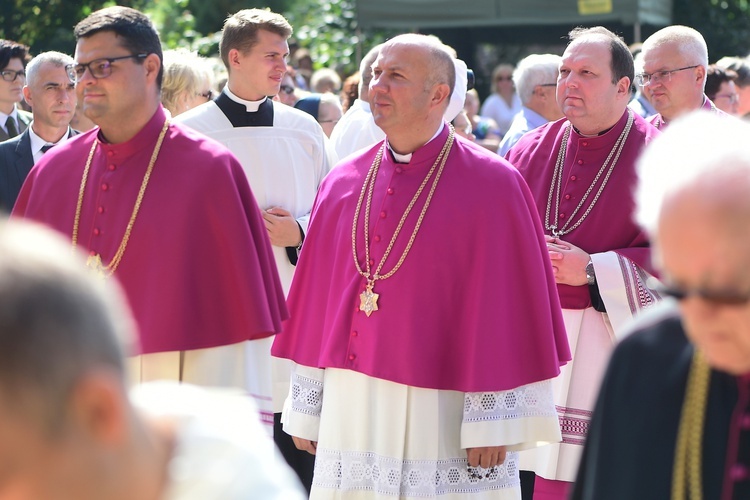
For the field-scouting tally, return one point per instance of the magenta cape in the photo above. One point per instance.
(198, 270)
(473, 308)
(610, 225)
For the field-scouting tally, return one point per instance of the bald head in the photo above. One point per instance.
(688, 42)
(439, 57)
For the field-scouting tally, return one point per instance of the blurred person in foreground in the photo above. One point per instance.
(407, 353)
(70, 430)
(673, 415)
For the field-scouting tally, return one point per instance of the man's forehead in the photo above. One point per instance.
(662, 56)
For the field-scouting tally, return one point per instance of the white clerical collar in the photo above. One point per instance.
(37, 142)
(251, 106)
(407, 157)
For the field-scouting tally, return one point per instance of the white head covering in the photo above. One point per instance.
(456, 104)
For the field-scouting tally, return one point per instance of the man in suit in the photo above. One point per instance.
(52, 98)
(13, 59)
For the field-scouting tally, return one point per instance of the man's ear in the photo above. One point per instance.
(100, 407)
(441, 92)
(27, 95)
(152, 63)
(623, 87)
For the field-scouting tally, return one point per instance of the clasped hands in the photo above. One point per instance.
(568, 262)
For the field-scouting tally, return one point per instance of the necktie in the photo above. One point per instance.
(47, 147)
(10, 126)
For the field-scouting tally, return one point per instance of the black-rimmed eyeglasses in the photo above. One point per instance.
(207, 95)
(287, 89)
(715, 297)
(99, 68)
(656, 77)
(10, 75)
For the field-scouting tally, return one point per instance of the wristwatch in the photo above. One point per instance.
(590, 275)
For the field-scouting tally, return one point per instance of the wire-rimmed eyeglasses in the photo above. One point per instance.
(99, 68)
(644, 79)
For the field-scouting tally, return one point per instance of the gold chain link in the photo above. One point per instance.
(368, 187)
(115, 262)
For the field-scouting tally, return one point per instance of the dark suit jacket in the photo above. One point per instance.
(24, 119)
(16, 162)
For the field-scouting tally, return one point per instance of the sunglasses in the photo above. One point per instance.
(287, 89)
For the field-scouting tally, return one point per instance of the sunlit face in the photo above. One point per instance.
(398, 96)
(10, 92)
(258, 72)
(679, 93)
(52, 96)
(585, 92)
(699, 251)
(108, 101)
(727, 99)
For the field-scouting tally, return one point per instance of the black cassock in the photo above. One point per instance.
(629, 453)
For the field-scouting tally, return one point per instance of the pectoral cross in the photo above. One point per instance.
(94, 263)
(369, 300)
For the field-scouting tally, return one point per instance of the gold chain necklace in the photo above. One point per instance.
(94, 262)
(557, 175)
(687, 469)
(368, 298)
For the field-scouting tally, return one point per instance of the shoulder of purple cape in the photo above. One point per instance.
(469, 310)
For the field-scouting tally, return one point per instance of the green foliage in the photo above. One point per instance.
(210, 14)
(328, 29)
(48, 24)
(725, 24)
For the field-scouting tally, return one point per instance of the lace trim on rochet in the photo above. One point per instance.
(533, 400)
(410, 478)
(307, 395)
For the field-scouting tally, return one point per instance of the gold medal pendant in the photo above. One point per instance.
(369, 300)
(94, 263)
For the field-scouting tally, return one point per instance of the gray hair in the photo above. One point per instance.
(365, 67)
(58, 322)
(58, 59)
(533, 70)
(689, 42)
(717, 163)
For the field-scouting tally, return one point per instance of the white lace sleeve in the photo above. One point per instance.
(301, 414)
(520, 418)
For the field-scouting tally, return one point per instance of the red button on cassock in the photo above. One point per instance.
(105, 187)
(391, 191)
(100, 210)
(97, 232)
(352, 357)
